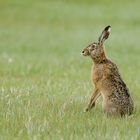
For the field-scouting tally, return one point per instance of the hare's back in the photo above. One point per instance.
(116, 90)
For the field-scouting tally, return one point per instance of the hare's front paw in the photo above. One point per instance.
(86, 110)
(90, 106)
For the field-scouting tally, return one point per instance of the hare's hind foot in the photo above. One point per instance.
(113, 111)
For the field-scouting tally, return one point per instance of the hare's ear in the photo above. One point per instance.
(105, 34)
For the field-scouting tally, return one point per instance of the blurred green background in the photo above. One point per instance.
(45, 82)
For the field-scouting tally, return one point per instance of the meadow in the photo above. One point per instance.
(45, 83)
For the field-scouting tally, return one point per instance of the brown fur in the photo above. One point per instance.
(107, 80)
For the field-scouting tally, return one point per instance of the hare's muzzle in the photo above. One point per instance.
(85, 52)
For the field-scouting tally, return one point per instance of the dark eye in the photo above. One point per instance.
(93, 47)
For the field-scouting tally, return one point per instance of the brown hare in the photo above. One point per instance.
(107, 80)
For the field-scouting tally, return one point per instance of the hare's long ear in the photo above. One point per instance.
(105, 34)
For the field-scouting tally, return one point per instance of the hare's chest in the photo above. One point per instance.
(97, 73)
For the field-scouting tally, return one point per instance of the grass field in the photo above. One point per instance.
(45, 82)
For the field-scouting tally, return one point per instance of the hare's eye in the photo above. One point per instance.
(93, 47)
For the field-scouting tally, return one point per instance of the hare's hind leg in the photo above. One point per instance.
(113, 112)
(94, 97)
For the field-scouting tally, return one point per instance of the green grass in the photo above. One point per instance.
(45, 82)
